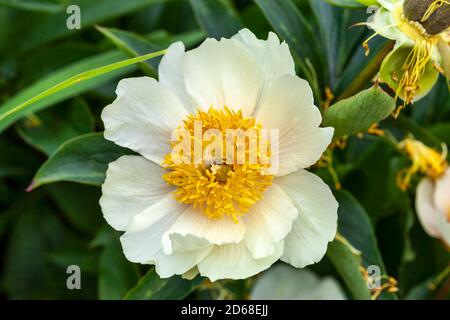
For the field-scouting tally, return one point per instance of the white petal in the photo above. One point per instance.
(142, 243)
(426, 210)
(143, 240)
(289, 108)
(132, 184)
(273, 58)
(282, 282)
(179, 262)
(389, 4)
(442, 194)
(317, 220)
(442, 203)
(268, 222)
(191, 274)
(171, 73)
(444, 52)
(384, 23)
(234, 261)
(194, 223)
(222, 73)
(143, 116)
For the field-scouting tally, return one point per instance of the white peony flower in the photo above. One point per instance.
(433, 206)
(413, 67)
(222, 221)
(282, 282)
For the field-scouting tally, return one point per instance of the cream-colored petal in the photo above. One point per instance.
(273, 58)
(317, 220)
(191, 274)
(142, 241)
(384, 23)
(289, 108)
(234, 261)
(426, 210)
(132, 184)
(171, 76)
(179, 263)
(389, 4)
(222, 73)
(283, 282)
(201, 230)
(143, 117)
(444, 52)
(268, 222)
(442, 194)
(442, 203)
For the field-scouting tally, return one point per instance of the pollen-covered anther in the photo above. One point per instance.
(226, 186)
(424, 159)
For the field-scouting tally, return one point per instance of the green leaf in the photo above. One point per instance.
(419, 132)
(83, 159)
(48, 130)
(358, 113)
(79, 203)
(67, 83)
(30, 269)
(134, 45)
(442, 132)
(116, 274)
(345, 3)
(151, 287)
(50, 27)
(347, 265)
(293, 27)
(216, 17)
(33, 5)
(354, 224)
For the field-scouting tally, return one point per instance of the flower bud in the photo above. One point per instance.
(433, 15)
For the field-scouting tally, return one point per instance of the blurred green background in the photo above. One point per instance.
(59, 224)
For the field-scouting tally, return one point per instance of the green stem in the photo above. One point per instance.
(368, 73)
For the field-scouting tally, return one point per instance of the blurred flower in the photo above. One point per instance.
(222, 221)
(433, 206)
(282, 282)
(424, 159)
(420, 29)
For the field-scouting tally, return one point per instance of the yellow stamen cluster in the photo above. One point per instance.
(424, 160)
(229, 188)
(416, 62)
(412, 71)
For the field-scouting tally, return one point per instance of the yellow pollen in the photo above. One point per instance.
(226, 188)
(424, 160)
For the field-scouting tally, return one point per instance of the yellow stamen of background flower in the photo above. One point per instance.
(432, 8)
(219, 189)
(424, 160)
(366, 42)
(413, 70)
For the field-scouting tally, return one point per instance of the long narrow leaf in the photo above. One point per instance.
(8, 114)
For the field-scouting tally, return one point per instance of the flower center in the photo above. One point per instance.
(219, 163)
(416, 62)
